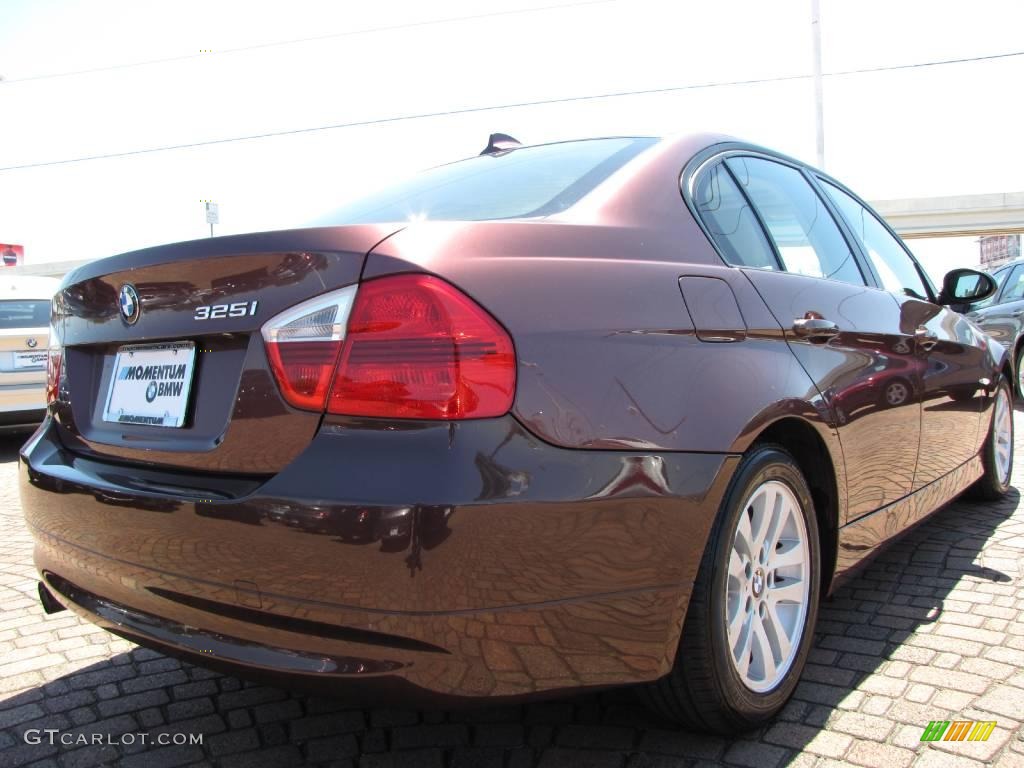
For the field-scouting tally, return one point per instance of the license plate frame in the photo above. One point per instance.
(146, 373)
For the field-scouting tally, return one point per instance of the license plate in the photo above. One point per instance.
(30, 360)
(150, 384)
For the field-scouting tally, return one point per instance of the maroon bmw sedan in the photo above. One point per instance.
(555, 417)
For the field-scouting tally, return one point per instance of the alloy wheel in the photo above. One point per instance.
(768, 587)
(1002, 428)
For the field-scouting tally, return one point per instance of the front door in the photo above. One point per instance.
(955, 387)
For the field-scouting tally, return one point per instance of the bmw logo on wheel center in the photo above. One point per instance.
(128, 302)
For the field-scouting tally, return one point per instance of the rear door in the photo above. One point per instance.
(847, 334)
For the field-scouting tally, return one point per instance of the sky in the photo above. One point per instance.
(101, 77)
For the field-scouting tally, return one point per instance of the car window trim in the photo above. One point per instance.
(704, 161)
(997, 297)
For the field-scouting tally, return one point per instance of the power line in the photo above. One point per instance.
(514, 105)
(300, 40)
(922, 64)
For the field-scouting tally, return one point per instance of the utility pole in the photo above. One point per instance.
(819, 112)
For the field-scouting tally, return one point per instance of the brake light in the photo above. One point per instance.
(54, 361)
(418, 348)
(404, 346)
(54, 358)
(303, 345)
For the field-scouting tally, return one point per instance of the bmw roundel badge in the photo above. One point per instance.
(128, 302)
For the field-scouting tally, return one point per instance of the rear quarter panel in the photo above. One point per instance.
(608, 355)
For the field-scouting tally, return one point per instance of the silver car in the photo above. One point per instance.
(24, 338)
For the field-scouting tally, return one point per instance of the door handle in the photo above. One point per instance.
(925, 338)
(815, 328)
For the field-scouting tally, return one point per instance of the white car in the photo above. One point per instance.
(24, 338)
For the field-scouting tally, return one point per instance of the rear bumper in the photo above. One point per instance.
(463, 560)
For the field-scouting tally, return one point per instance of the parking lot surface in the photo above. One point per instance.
(931, 630)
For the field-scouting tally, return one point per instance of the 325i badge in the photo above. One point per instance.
(217, 311)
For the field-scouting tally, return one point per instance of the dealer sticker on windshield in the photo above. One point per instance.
(150, 384)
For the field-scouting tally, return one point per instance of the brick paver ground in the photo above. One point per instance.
(931, 630)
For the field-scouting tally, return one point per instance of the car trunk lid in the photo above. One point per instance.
(187, 330)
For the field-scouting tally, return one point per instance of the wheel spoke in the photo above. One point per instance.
(767, 656)
(743, 659)
(744, 536)
(736, 626)
(790, 554)
(780, 514)
(777, 628)
(788, 591)
(768, 516)
(736, 566)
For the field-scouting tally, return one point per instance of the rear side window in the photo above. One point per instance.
(24, 313)
(527, 182)
(890, 260)
(807, 237)
(731, 222)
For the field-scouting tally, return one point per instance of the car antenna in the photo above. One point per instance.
(499, 143)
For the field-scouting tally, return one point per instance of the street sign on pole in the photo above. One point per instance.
(11, 255)
(212, 215)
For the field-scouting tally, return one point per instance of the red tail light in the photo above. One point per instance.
(418, 348)
(54, 358)
(415, 348)
(54, 361)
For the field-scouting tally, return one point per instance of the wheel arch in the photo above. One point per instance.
(812, 455)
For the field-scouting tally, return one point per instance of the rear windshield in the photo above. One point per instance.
(520, 183)
(24, 313)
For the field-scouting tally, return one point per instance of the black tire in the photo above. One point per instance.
(990, 487)
(704, 690)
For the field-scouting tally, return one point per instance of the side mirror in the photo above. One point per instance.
(966, 286)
